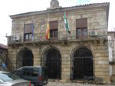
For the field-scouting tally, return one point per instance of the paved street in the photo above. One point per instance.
(72, 84)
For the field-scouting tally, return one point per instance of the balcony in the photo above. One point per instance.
(62, 36)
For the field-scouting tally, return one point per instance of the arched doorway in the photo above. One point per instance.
(53, 63)
(24, 58)
(82, 64)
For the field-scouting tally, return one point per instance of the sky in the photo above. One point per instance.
(11, 7)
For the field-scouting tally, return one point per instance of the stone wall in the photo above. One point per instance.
(96, 21)
(99, 51)
(96, 18)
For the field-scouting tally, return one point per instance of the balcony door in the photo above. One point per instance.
(81, 28)
(53, 30)
(28, 32)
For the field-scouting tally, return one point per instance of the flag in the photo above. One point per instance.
(66, 23)
(48, 32)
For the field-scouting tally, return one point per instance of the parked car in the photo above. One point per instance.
(37, 75)
(9, 79)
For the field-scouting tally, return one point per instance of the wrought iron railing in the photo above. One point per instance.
(40, 37)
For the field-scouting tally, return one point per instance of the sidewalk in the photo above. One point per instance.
(73, 84)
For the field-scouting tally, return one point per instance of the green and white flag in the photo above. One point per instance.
(66, 23)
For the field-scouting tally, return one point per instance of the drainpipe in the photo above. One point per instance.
(110, 55)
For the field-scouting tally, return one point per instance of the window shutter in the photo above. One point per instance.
(28, 28)
(53, 25)
(81, 23)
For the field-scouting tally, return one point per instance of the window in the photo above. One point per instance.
(81, 28)
(28, 31)
(53, 29)
(53, 34)
(33, 72)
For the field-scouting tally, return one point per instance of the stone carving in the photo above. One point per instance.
(54, 4)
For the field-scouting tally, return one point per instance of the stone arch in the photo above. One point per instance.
(82, 63)
(24, 57)
(52, 61)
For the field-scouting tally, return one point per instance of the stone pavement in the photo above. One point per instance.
(73, 84)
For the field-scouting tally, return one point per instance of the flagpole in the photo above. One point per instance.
(32, 30)
(48, 27)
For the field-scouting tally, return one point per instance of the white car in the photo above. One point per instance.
(9, 79)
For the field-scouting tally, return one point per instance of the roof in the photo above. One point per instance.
(3, 46)
(62, 9)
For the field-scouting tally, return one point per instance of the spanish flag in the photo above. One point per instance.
(48, 32)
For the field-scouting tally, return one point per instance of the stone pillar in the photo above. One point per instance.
(65, 74)
(36, 55)
(101, 63)
(12, 52)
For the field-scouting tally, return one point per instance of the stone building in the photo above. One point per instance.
(81, 54)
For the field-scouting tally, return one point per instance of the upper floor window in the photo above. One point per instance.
(53, 29)
(28, 31)
(81, 28)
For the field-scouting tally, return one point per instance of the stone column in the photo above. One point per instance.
(36, 55)
(12, 52)
(101, 63)
(65, 54)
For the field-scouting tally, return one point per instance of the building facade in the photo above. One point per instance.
(80, 54)
(111, 48)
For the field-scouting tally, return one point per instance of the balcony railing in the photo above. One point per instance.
(40, 37)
